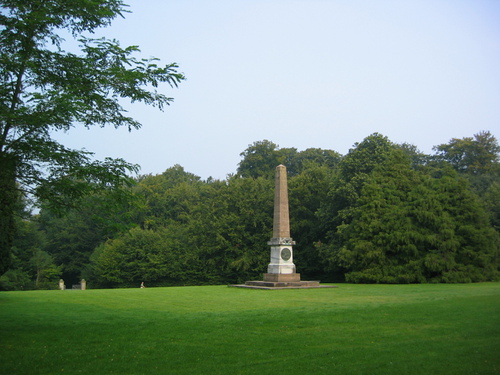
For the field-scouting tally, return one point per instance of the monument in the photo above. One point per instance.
(281, 271)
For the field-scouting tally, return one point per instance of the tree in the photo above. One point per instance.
(478, 159)
(44, 89)
(72, 238)
(312, 158)
(353, 170)
(307, 191)
(391, 223)
(44, 267)
(28, 240)
(469, 155)
(260, 159)
(153, 256)
(32, 267)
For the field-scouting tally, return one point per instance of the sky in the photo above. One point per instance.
(305, 74)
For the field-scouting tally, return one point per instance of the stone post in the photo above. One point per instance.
(61, 284)
(83, 283)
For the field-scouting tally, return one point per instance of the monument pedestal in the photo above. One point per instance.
(282, 277)
(257, 284)
(282, 281)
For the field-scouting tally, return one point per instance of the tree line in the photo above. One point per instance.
(382, 213)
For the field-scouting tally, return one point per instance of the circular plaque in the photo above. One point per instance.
(286, 254)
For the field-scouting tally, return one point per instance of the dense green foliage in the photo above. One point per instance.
(395, 224)
(353, 329)
(45, 89)
(477, 159)
(383, 213)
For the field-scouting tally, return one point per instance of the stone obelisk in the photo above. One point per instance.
(281, 272)
(281, 267)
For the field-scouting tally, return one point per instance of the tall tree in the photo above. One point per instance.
(391, 223)
(28, 241)
(260, 159)
(44, 267)
(353, 171)
(478, 159)
(306, 193)
(71, 238)
(44, 89)
(472, 155)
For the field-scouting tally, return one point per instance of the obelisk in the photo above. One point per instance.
(281, 267)
(281, 271)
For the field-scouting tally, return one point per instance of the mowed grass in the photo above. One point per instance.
(352, 329)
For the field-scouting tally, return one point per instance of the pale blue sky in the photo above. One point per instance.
(306, 73)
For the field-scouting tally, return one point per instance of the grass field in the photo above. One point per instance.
(353, 329)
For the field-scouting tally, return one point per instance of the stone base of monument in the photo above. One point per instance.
(282, 281)
(282, 277)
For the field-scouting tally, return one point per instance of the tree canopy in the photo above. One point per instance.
(44, 89)
(471, 155)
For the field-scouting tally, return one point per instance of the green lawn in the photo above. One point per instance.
(353, 329)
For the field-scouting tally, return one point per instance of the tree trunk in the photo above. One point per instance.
(8, 200)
